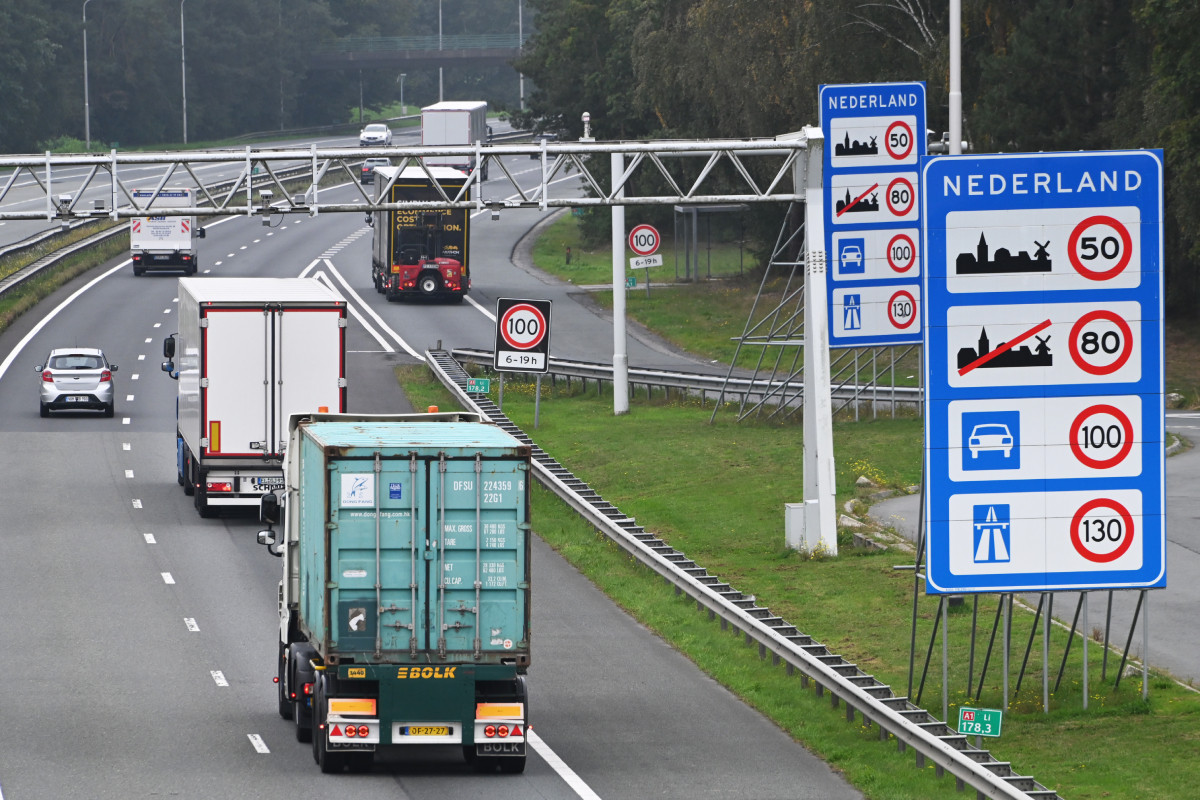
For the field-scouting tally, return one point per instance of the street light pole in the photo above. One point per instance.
(521, 49)
(441, 96)
(87, 109)
(955, 77)
(403, 108)
(183, 68)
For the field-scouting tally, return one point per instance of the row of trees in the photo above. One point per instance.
(1037, 74)
(248, 66)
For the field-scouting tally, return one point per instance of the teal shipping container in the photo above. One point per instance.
(404, 607)
(416, 542)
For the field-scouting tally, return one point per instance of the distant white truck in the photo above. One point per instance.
(164, 242)
(462, 122)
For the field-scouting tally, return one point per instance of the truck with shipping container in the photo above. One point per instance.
(462, 122)
(404, 605)
(249, 353)
(421, 253)
(164, 242)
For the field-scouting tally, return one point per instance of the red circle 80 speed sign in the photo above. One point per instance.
(644, 240)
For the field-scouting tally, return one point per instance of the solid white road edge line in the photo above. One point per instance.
(378, 319)
(558, 765)
(354, 312)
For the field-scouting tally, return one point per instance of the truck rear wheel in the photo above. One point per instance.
(360, 762)
(512, 765)
(285, 702)
(189, 473)
(201, 500)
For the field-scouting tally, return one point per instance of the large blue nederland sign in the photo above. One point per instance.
(1044, 433)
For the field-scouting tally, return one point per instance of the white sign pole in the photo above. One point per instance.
(620, 352)
(819, 520)
(955, 78)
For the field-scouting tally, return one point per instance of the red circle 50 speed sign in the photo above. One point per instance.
(643, 240)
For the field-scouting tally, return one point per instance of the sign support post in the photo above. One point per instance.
(818, 407)
(620, 345)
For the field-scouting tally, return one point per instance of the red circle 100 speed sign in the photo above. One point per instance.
(644, 240)
(522, 335)
(523, 326)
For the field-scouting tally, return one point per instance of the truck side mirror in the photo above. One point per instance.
(199, 233)
(267, 538)
(268, 511)
(169, 347)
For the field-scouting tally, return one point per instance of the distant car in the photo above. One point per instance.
(990, 437)
(368, 168)
(375, 133)
(74, 378)
(543, 137)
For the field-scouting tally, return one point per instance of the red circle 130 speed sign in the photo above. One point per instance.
(644, 240)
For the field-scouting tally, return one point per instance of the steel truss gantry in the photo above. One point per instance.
(702, 172)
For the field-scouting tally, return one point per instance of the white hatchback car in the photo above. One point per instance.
(76, 377)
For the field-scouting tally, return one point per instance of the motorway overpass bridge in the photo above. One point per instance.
(410, 51)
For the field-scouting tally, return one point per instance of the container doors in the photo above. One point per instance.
(236, 370)
(379, 528)
(483, 522)
(309, 366)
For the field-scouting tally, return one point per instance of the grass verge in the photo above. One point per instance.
(716, 492)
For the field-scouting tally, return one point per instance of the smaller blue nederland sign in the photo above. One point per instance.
(874, 138)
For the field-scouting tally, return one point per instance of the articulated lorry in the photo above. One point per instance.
(249, 353)
(164, 242)
(404, 606)
(462, 122)
(421, 253)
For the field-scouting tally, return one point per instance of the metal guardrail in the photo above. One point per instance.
(861, 693)
(700, 383)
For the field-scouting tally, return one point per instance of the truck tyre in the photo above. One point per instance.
(189, 473)
(512, 765)
(299, 673)
(429, 284)
(360, 762)
(285, 702)
(138, 272)
(201, 500)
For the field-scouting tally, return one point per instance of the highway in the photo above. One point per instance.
(140, 640)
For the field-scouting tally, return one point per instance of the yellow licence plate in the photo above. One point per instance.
(425, 730)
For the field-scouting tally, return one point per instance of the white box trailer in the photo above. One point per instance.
(249, 353)
(462, 122)
(164, 241)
